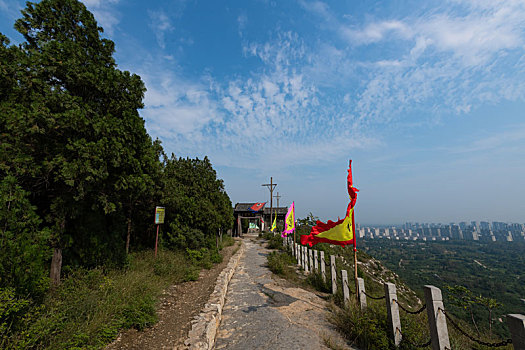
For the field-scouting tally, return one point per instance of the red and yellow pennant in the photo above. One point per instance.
(341, 232)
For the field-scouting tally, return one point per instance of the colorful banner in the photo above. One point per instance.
(341, 232)
(289, 221)
(274, 225)
(257, 207)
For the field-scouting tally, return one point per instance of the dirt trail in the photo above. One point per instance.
(178, 305)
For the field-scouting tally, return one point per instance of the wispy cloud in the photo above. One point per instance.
(444, 61)
(441, 62)
(275, 109)
(494, 141)
(105, 13)
(242, 21)
(161, 25)
(11, 8)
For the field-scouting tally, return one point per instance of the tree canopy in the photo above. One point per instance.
(80, 176)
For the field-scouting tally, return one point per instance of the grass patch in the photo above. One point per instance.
(275, 241)
(283, 264)
(90, 307)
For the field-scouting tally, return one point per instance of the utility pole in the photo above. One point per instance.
(276, 214)
(270, 186)
(277, 198)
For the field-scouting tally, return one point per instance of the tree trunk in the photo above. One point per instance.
(56, 267)
(128, 237)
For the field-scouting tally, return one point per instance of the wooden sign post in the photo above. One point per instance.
(159, 219)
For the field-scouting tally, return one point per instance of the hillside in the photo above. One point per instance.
(492, 270)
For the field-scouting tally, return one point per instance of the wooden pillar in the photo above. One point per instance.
(436, 318)
(316, 261)
(393, 312)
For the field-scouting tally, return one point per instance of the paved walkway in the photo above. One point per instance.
(262, 313)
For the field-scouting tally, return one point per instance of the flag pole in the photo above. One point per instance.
(355, 259)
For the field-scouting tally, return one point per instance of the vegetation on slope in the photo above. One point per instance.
(369, 329)
(470, 274)
(79, 181)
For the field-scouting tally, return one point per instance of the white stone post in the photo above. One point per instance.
(311, 259)
(323, 267)
(334, 276)
(392, 310)
(362, 296)
(306, 263)
(516, 323)
(436, 318)
(344, 281)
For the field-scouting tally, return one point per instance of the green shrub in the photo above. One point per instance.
(281, 263)
(275, 241)
(367, 329)
(315, 279)
(90, 307)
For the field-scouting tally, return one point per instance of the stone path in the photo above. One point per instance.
(261, 312)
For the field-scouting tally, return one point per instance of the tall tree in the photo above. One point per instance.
(196, 202)
(82, 130)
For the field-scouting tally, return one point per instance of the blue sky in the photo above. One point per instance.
(426, 97)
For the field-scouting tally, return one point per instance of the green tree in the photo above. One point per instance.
(23, 243)
(196, 203)
(463, 297)
(72, 127)
(490, 304)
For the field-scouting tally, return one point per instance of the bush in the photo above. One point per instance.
(315, 279)
(275, 241)
(367, 329)
(90, 307)
(281, 263)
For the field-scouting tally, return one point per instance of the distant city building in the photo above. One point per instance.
(476, 231)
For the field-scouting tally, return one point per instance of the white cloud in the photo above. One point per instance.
(160, 24)
(377, 31)
(242, 21)
(273, 110)
(105, 13)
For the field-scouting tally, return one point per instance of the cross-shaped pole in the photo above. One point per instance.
(271, 186)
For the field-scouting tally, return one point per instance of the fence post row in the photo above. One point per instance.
(361, 292)
(308, 259)
(323, 267)
(392, 310)
(344, 281)
(333, 273)
(436, 318)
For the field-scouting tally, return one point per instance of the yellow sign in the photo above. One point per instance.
(159, 215)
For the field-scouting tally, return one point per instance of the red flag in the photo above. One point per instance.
(257, 206)
(341, 232)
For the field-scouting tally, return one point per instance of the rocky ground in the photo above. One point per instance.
(266, 312)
